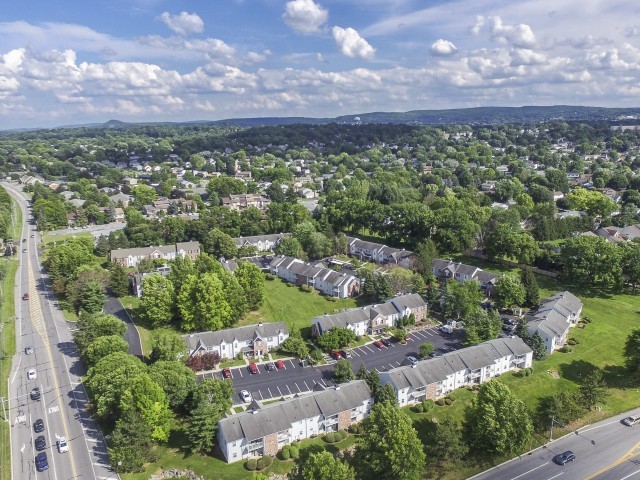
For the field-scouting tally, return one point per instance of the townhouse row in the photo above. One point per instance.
(131, 257)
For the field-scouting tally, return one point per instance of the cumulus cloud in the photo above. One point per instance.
(184, 23)
(351, 44)
(443, 48)
(517, 35)
(305, 16)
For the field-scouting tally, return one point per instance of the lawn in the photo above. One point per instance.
(284, 302)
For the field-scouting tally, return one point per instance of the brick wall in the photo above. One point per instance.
(431, 391)
(344, 420)
(271, 444)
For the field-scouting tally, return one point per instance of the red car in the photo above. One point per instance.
(226, 373)
(280, 364)
(253, 368)
(378, 344)
(336, 355)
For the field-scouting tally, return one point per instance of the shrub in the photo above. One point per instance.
(305, 288)
(440, 402)
(419, 408)
(316, 356)
(295, 452)
(571, 341)
(270, 277)
(519, 374)
(261, 464)
(251, 464)
(286, 453)
(343, 434)
(268, 460)
(428, 405)
(566, 349)
(331, 437)
(355, 428)
(239, 356)
(448, 401)
(331, 299)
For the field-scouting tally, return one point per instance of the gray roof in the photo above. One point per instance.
(411, 300)
(256, 424)
(553, 314)
(252, 240)
(145, 251)
(437, 369)
(242, 334)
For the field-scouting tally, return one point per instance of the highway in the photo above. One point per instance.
(63, 401)
(615, 456)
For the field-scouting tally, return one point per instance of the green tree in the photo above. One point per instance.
(252, 281)
(210, 401)
(426, 349)
(92, 297)
(220, 245)
(591, 201)
(118, 280)
(144, 195)
(447, 442)
(593, 389)
(631, 264)
(343, 372)
(564, 406)
(290, 247)
(384, 291)
(592, 260)
(426, 252)
(181, 267)
(146, 397)
(202, 304)
(130, 446)
(91, 327)
(386, 393)
(482, 326)
(531, 290)
(509, 292)
(389, 447)
(497, 422)
(296, 346)
(462, 300)
(538, 346)
(632, 354)
(336, 338)
(158, 299)
(324, 466)
(176, 379)
(103, 346)
(167, 345)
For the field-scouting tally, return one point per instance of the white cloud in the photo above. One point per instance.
(184, 23)
(305, 16)
(475, 30)
(517, 35)
(443, 48)
(351, 44)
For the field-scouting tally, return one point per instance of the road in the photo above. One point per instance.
(293, 378)
(615, 456)
(62, 405)
(114, 307)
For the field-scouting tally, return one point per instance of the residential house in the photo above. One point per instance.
(136, 279)
(262, 243)
(372, 319)
(327, 281)
(131, 257)
(264, 430)
(240, 202)
(129, 181)
(379, 253)
(446, 270)
(619, 234)
(554, 318)
(436, 377)
(121, 197)
(250, 341)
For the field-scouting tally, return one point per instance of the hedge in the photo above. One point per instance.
(286, 453)
(251, 464)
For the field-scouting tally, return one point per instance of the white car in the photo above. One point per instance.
(31, 374)
(246, 396)
(63, 446)
(631, 421)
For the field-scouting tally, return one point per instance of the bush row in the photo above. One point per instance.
(335, 437)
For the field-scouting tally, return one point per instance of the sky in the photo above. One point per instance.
(67, 62)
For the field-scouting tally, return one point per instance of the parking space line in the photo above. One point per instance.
(392, 365)
(289, 390)
(368, 348)
(260, 393)
(270, 394)
(305, 383)
(240, 371)
(279, 391)
(297, 387)
(323, 382)
(353, 352)
(379, 371)
(292, 364)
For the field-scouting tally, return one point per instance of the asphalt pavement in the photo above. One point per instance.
(63, 401)
(114, 307)
(294, 378)
(95, 230)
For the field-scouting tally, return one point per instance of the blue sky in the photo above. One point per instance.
(69, 62)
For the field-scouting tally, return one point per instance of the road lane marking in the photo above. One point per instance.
(532, 470)
(306, 385)
(240, 372)
(561, 473)
(632, 452)
(630, 475)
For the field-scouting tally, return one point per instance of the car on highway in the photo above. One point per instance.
(41, 462)
(32, 235)
(32, 374)
(270, 367)
(280, 364)
(24, 250)
(386, 342)
(35, 394)
(378, 344)
(40, 443)
(25, 296)
(63, 446)
(253, 368)
(28, 350)
(346, 353)
(226, 373)
(565, 457)
(38, 426)
(246, 396)
(631, 421)
(335, 355)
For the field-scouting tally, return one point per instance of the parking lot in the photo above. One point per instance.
(294, 379)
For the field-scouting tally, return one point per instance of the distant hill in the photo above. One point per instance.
(468, 116)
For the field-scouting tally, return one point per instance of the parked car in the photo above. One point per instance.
(38, 426)
(40, 443)
(41, 462)
(270, 367)
(253, 368)
(631, 421)
(412, 360)
(446, 328)
(63, 446)
(378, 344)
(335, 354)
(280, 364)
(28, 350)
(35, 394)
(32, 374)
(346, 353)
(226, 373)
(246, 396)
(386, 342)
(565, 457)
(25, 296)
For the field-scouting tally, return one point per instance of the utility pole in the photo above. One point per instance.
(553, 420)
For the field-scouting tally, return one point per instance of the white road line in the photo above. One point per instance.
(306, 385)
(240, 372)
(270, 394)
(379, 371)
(562, 473)
(353, 352)
(279, 391)
(290, 393)
(292, 364)
(529, 471)
(628, 476)
(392, 365)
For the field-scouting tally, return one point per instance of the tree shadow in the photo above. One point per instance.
(576, 370)
(617, 376)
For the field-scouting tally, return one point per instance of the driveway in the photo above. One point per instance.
(114, 307)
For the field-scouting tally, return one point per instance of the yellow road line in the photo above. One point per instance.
(633, 452)
(35, 310)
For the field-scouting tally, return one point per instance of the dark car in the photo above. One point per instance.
(270, 367)
(35, 394)
(565, 457)
(378, 344)
(40, 443)
(386, 342)
(226, 373)
(253, 368)
(41, 462)
(38, 426)
(25, 296)
(335, 354)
